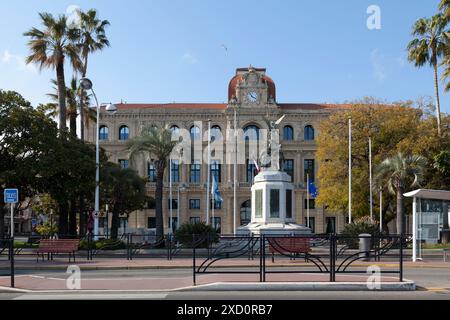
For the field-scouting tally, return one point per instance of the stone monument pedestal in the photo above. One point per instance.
(273, 206)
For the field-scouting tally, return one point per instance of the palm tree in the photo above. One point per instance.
(400, 172)
(49, 48)
(71, 103)
(72, 92)
(444, 6)
(158, 143)
(92, 38)
(427, 47)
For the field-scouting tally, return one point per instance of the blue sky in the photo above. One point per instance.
(166, 51)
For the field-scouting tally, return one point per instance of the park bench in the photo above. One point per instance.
(55, 246)
(292, 246)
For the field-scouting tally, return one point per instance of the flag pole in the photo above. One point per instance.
(235, 173)
(170, 196)
(209, 172)
(381, 210)
(370, 179)
(307, 200)
(350, 170)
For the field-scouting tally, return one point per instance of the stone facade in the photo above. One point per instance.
(253, 94)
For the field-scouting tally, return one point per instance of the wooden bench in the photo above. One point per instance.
(292, 246)
(55, 246)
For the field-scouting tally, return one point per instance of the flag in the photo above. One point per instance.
(215, 190)
(312, 189)
(256, 165)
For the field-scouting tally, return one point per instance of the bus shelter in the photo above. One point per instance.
(430, 218)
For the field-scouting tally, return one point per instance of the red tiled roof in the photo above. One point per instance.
(238, 78)
(171, 105)
(312, 106)
(221, 106)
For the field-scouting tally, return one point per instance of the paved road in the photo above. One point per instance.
(434, 283)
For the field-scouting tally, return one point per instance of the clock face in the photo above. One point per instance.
(252, 96)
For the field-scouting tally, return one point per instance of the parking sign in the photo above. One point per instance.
(11, 196)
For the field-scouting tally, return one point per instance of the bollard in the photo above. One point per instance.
(364, 246)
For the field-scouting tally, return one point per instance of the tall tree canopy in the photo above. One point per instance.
(392, 128)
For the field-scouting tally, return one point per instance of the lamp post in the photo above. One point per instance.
(86, 84)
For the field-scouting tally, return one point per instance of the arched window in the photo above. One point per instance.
(309, 133)
(251, 132)
(288, 133)
(216, 133)
(103, 133)
(195, 133)
(246, 212)
(124, 133)
(174, 129)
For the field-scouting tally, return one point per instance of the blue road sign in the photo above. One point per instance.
(11, 196)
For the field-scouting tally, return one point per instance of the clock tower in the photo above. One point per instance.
(251, 87)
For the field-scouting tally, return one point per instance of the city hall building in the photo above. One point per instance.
(252, 93)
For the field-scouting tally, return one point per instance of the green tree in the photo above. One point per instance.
(391, 128)
(427, 47)
(158, 144)
(444, 6)
(49, 48)
(400, 172)
(124, 190)
(71, 103)
(26, 138)
(442, 165)
(92, 38)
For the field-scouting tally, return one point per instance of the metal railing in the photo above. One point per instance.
(323, 254)
(7, 245)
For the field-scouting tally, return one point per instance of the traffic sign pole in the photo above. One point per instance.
(12, 220)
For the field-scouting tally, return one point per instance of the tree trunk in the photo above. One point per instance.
(82, 101)
(115, 222)
(400, 212)
(73, 124)
(63, 221)
(82, 217)
(61, 95)
(73, 218)
(438, 105)
(159, 200)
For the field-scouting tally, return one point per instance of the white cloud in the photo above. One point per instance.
(17, 60)
(401, 61)
(189, 58)
(377, 61)
(73, 19)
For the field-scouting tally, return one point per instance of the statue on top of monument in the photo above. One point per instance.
(273, 145)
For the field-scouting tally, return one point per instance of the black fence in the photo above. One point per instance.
(7, 254)
(322, 254)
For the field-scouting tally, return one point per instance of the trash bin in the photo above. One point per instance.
(364, 246)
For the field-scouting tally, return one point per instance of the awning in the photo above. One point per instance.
(429, 194)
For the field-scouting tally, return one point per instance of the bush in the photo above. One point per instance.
(357, 227)
(47, 229)
(104, 244)
(201, 230)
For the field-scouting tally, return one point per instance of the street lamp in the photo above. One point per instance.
(86, 84)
